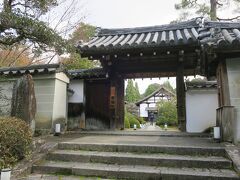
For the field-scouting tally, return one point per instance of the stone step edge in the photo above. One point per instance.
(121, 158)
(181, 150)
(142, 133)
(57, 177)
(137, 172)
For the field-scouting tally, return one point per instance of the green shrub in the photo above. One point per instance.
(126, 122)
(15, 141)
(141, 120)
(133, 120)
(167, 113)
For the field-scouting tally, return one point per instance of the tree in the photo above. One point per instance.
(151, 88)
(155, 86)
(168, 86)
(83, 33)
(132, 92)
(206, 8)
(20, 24)
(167, 112)
(138, 96)
(76, 62)
(17, 56)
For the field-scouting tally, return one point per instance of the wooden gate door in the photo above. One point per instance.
(225, 112)
(97, 104)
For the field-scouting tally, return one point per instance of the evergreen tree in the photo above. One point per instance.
(20, 23)
(83, 32)
(138, 96)
(168, 86)
(206, 8)
(132, 92)
(151, 88)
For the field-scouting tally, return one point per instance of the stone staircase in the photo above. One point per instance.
(138, 161)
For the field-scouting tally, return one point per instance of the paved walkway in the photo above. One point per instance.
(149, 127)
(140, 132)
(148, 140)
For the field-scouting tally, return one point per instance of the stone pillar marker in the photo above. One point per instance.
(24, 100)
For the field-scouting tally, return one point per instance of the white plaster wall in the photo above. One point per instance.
(233, 72)
(78, 87)
(152, 105)
(60, 102)
(44, 92)
(143, 112)
(201, 108)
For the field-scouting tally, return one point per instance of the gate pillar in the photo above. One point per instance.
(180, 86)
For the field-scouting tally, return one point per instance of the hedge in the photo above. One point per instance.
(15, 141)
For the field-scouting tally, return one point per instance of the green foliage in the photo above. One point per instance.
(76, 62)
(25, 26)
(126, 122)
(168, 86)
(137, 91)
(150, 89)
(83, 32)
(15, 141)
(167, 113)
(141, 120)
(131, 119)
(153, 87)
(132, 92)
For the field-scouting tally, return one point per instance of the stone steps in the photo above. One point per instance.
(139, 161)
(144, 148)
(134, 172)
(156, 159)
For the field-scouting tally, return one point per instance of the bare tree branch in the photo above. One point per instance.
(228, 19)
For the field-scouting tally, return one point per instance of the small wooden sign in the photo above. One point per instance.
(112, 97)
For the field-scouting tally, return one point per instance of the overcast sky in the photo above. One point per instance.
(129, 13)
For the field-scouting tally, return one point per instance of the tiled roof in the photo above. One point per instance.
(220, 34)
(33, 69)
(194, 32)
(154, 36)
(87, 73)
(204, 84)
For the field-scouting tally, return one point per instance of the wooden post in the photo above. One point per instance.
(116, 102)
(112, 104)
(120, 103)
(181, 108)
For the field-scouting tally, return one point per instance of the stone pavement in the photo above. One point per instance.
(148, 140)
(139, 132)
(149, 127)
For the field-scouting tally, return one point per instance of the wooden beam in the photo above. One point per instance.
(181, 109)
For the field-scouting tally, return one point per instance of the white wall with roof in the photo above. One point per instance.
(78, 87)
(201, 105)
(51, 99)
